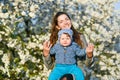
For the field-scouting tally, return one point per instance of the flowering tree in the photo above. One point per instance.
(101, 29)
(25, 25)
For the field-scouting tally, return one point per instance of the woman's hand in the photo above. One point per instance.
(46, 48)
(89, 50)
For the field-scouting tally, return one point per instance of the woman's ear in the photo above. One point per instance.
(58, 27)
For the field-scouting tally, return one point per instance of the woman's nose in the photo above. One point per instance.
(66, 23)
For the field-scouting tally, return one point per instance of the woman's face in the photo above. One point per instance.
(64, 22)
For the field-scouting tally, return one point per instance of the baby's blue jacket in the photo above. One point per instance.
(67, 55)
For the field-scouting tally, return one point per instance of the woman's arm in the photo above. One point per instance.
(48, 62)
(88, 60)
(47, 59)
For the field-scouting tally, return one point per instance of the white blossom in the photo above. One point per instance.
(6, 59)
(33, 7)
(24, 13)
(102, 63)
(12, 43)
(1, 52)
(31, 45)
(31, 14)
(4, 15)
(103, 68)
(82, 1)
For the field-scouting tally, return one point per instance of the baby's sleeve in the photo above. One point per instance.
(79, 51)
(52, 50)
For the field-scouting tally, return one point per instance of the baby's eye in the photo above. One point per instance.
(62, 38)
(68, 38)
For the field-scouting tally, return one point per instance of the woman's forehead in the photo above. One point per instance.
(62, 17)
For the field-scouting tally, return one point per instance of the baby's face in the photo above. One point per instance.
(65, 40)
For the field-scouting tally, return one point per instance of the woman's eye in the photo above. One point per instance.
(60, 22)
(67, 18)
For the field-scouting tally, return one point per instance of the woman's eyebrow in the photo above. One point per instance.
(60, 21)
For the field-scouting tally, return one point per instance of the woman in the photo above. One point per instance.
(61, 21)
